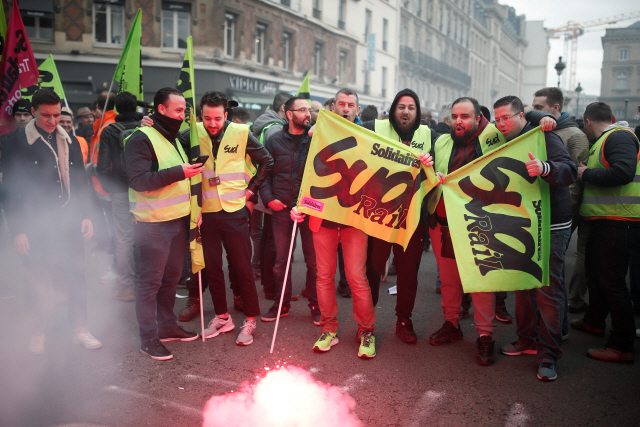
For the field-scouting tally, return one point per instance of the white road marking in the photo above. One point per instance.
(352, 382)
(178, 406)
(517, 416)
(190, 377)
(424, 407)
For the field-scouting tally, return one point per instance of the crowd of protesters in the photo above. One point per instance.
(128, 174)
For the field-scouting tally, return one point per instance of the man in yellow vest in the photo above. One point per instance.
(403, 126)
(229, 181)
(160, 195)
(611, 204)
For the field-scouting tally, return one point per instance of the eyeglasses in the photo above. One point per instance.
(304, 110)
(504, 119)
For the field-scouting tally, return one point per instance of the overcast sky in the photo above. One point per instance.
(556, 14)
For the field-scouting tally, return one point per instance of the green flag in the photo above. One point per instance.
(49, 78)
(186, 83)
(304, 90)
(3, 29)
(129, 70)
(499, 218)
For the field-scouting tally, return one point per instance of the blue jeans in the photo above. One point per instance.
(162, 247)
(548, 303)
(282, 228)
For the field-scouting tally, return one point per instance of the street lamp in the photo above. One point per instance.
(578, 90)
(626, 105)
(560, 66)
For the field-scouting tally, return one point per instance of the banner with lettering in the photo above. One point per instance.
(356, 177)
(18, 67)
(499, 218)
(49, 78)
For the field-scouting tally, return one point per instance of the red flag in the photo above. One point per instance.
(19, 68)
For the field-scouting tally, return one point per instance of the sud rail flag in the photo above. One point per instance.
(358, 178)
(499, 218)
(185, 85)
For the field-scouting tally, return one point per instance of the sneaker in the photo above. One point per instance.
(315, 313)
(108, 277)
(272, 314)
(36, 344)
(155, 350)
(325, 342)
(404, 329)
(179, 334)
(344, 291)
(485, 355)
(438, 291)
(218, 325)
(82, 336)
(580, 325)
(237, 303)
(565, 336)
(448, 333)
(304, 292)
(124, 294)
(547, 371)
(294, 297)
(578, 310)
(516, 349)
(246, 332)
(367, 348)
(502, 315)
(464, 311)
(608, 354)
(191, 310)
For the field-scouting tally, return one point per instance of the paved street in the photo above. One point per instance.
(405, 385)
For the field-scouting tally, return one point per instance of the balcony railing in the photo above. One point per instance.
(425, 61)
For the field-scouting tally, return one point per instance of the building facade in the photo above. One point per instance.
(536, 59)
(620, 84)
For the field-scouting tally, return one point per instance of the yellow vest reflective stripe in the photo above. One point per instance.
(233, 167)
(421, 139)
(166, 203)
(622, 202)
(490, 139)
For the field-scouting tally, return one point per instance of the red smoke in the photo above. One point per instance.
(285, 397)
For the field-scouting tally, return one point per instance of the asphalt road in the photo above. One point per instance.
(404, 385)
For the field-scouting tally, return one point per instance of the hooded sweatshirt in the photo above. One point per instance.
(265, 119)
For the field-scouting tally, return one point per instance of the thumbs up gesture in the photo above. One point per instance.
(534, 166)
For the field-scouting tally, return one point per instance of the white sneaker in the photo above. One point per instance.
(217, 326)
(246, 332)
(36, 345)
(82, 336)
(109, 277)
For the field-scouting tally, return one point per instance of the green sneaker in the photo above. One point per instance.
(367, 345)
(325, 342)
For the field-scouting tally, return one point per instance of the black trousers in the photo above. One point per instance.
(267, 256)
(232, 230)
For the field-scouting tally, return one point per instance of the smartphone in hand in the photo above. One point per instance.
(201, 159)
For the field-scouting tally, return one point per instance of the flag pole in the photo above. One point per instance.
(201, 310)
(284, 283)
(66, 104)
(104, 110)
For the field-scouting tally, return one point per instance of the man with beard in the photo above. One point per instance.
(277, 193)
(471, 136)
(159, 172)
(403, 126)
(229, 181)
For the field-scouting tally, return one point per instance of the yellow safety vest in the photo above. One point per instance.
(490, 139)
(619, 203)
(168, 202)
(421, 137)
(233, 168)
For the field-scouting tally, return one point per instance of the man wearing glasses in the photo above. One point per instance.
(277, 192)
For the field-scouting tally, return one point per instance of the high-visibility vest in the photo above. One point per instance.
(421, 139)
(490, 139)
(264, 131)
(619, 203)
(232, 167)
(166, 203)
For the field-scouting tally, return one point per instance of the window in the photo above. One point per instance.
(39, 25)
(419, 8)
(108, 27)
(623, 54)
(317, 60)
(261, 31)
(416, 43)
(342, 66)
(385, 30)
(621, 80)
(317, 12)
(286, 45)
(342, 11)
(367, 24)
(176, 24)
(384, 82)
(229, 34)
(285, 2)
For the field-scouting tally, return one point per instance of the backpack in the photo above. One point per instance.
(124, 134)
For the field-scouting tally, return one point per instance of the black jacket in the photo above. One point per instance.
(289, 159)
(442, 128)
(621, 152)
(110, 170)
(260, 157)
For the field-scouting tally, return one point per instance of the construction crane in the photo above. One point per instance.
(573, 30)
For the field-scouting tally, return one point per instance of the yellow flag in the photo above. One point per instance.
(304, 90)
(186, 83)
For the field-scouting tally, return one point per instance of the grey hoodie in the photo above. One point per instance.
(265, 119)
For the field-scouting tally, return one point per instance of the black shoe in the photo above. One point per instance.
(485, 356)
(580, 325)
(345, 292)
(404, 329)
(272, 314)
(179, 334)
(578, 310)
(155, 350)
(448, 333)
(438, 291)
(502, 315)
(191, 310)
(182, 284)
(237, 303)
